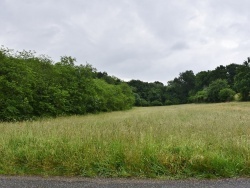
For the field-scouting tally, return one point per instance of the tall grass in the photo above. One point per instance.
(205, 140)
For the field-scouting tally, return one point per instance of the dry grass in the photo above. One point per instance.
(205, 140)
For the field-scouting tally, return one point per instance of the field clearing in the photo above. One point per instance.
(194, 140)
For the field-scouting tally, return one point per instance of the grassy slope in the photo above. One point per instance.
(207, 140)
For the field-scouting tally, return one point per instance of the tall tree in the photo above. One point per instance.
(214, 89)
(242, 80)
(202, 80)
(231, 73)
(178, 89)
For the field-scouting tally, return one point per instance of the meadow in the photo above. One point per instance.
(182, 141)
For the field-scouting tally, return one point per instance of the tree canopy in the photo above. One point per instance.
(34, 86)
(218, 85)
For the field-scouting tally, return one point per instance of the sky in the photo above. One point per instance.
(149, 40)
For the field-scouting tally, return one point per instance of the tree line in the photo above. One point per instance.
(34, 86)
(218, 85)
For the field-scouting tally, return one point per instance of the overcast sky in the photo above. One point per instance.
(150, 40)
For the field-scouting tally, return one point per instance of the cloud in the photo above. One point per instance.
(131, 39)
(180, 46)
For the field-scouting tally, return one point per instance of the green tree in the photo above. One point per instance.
(231, 73)
(219, 72)
(214, 88)
(242, 80)
(32, 86)
(226, 94)
(16, 81)
(202, 80)
(178, 90)
(200, 96)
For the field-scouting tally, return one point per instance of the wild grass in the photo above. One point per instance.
(195, 140)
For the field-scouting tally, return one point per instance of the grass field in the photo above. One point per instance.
(196, 140)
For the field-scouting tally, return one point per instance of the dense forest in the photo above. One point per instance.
(34, 86)
(225, 83)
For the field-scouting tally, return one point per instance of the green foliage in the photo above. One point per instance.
(33, 87)
(242, 81)
(178, 89)
(226, 94)
(214, 89)
(231, 73)
(200, 96)
(109, 79)
(138, 100)
(168, 102)
(156, 103)
(156, 94)
(147, 94)
(201, 80)
(204, 78)
(218, 85)
(144, 102)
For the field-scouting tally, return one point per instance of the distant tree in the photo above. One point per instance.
(214, 88)
(109, 79)
(200, 96)
(178, 90)
(138, 100)
(140, 90)
(146, 92)
(155, 93)
(67, 60)
(202, 80)
(242, 80)
(220, 72)
(231, 73)
(156, 103)
(226, 94)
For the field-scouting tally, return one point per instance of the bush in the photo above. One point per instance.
(144, 102)
(237, 97)
(168, 102)
(226, 94)
(201, 96)
(33, 87)
(156, 103)
(214, 88)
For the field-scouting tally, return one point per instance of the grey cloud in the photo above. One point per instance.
(148, 40)
(180, 46)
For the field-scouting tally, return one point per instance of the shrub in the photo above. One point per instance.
(156, 103)
(168, 102)
(214, 89)
(226, 94)
(201, 96)
(144, 102)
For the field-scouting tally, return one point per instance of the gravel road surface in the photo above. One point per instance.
(59, 182)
